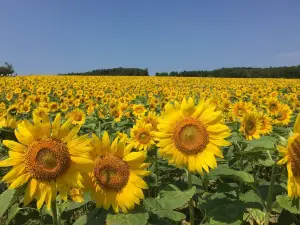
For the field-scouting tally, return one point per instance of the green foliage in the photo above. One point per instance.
(5, 200)
(225, 171)
(127, 219)
(113, 72)
(291, 205)
(240, 72)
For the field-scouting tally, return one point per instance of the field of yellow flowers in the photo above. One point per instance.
(149, 150)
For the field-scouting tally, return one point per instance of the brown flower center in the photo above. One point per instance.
(46, 159)
(78, 117)
(294, 151)
(144, 137)
(190, 136)
(112, 172)
(273, 107)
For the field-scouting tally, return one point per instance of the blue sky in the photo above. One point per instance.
(57, 36)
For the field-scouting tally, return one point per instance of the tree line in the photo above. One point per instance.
(113, 72)
(239, 72)
(6, 70)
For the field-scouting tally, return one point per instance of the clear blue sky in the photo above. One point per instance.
(57, 36)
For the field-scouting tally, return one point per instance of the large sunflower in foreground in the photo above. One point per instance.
(117, 178)
(190, 135)
(47, 157)
(291, 157)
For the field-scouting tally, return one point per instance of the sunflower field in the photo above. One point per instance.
(149, 150)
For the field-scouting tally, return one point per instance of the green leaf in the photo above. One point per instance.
(265, 142)
(152, 204)
(224, 170)
(291, 205)
(127, 219)
(250, 196)
(195, 180)
(175, 199)
(255, 215)
(172, 215)
(13, 211)
(5, 200)
(266, 162)
(90, 218)
(223, 209)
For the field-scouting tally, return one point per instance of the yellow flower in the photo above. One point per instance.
(8, 122)
(250, 126)
(138, 110)
(266, 123)
(47, 157)
(273, 106)
(117, 178)
(291, 157)
(190, 136)
(77, 116)
(142, 136)
(152, 118)
(41, 113)
(283, 115)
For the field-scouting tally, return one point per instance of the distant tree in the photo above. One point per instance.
(7, 69)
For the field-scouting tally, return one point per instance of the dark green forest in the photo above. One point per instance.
(113, 72)
(235, 72)
(240, 72)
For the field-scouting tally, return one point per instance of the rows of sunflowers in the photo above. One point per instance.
(136, 150)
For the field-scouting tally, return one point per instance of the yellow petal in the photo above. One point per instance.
(105, 141)
(134, 157)
(297, 124)
(42, 186)
(71, 134)
(15, 146)
(20, 181)
(17, 170)
(56, 125)
(30, 191)
(137, 181)
(8, 162)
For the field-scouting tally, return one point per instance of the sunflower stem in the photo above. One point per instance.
(268, 208)
(191, 205)
(54, 213)
(156, 171)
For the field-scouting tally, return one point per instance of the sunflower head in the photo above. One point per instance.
(189, 134)
(117, 177)
(138, 110)
(142, 136)
(48, 157)
(283, 115)
(291, 157)
(251, 126)
(77, 116)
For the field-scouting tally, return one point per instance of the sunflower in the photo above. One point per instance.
(138, 110)
(8, 122)
(283, 115)
(273, 106)
(77, 116)
(189, 135)
(47, 157)
(152, 119)
(266, 123)
(251, 126)
(142, 136)
(238, 109)
(41, 113)
(117, 178)
(291, 157)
